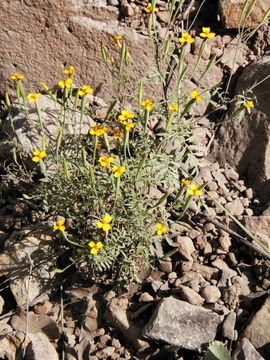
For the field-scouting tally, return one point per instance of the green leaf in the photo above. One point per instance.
(217, 351)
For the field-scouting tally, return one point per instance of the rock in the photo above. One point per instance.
(16, 256)
(247, 155)
(211, 294)
(10, 344)
(185, 246)
(145, 297)
(181, 324)
(106, 352)
(231, 10)
(126, 9)
(2, 303)
(235, 207)
(206, 271)
(165, 266)
(113, 2)
(258, 331)
(40, 348)
(246, 351)
(163, 16)
(229, 325)
(220, 264)
(36, 324)
(190, 295)
(259, 226)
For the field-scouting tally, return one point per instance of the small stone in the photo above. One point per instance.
(220, 264)
(172, 275)
(163, 16)
(249, 193)
(116, 343)
(165, 266)
(110, 295)
(90, 323)
(186, 266)
(208, 249)
(235, 207)
(145, 297)
(41, 309)
(245, 202)
(229, 325)
(230, 173)
(211, 294)
(266, 284)
(39, 348)
(113, 2)
(190, 295)
(185, 246)
(225, 242)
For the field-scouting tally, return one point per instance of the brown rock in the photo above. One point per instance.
(211, 294)
(185, 246)
(40, 348)
(231, 10)
(190, 295)
(259, 226)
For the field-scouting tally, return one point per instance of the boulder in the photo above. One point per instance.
(243, 141)
(180, 324)
(231, 12)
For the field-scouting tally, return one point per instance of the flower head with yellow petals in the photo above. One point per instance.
(85, 89)
(59, 225)
(196, 96)
(186, 38)
(32, 98)
(148, 104)
(194, 190)
(118, 170)
(173, 107)
(104, 224)
(38, 155)
(185, 182)
(105, 161)
(161, 229)
(65, 84)
(125, 116)
(95, 247)
(206, 33)
(97, 130)
(149, 8)
(17, 77)
(69, 70)
(116, 40)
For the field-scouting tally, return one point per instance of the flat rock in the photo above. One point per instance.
(178, 323)
(40, 348)
(246, 351)
(258, 330)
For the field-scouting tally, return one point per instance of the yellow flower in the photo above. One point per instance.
(185, 182)
(194, 190)
(249, 104)
(44, 85)
(33, 97)
(206, 33)
(125, 115)
(148, 104)
(173, 107)
(38, 155)
(104, 224)
(186, 38)
(85, 89)
(116, 40)
(65, 83)
(118, 170)
(149, 8)
(95, 247)
(59, 225)
(195, 95)
(161, 229)
(69, 70)
(105, 161)
(129, 126)
(98, 130)
(117, 133)
(17, 77)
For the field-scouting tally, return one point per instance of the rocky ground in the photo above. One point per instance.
(214, 287)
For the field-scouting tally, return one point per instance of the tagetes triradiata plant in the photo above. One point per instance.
(194, 190)
(173, 107)
(249, 104)
(149, 8)
(59, 225)
(104, 224)
(105, 161)
(116, 40)
(97, 130)
(43, 84)
(17, 77)
(118, 170)
(196, 96)
(129, 126)
(85, 89)
(148, 104)
(185, 182)
(161, 229)
(125, 116)
(33, 97)
(206, 33)
(95, 247)
(117, 133)
(65, 84)
(38, 155)
(69, 71)
(186, 38)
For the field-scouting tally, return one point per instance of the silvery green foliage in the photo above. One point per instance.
(217, 351)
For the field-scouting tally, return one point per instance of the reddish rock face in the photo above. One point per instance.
(231, 12)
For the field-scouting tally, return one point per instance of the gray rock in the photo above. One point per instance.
(211, 294)
(40, 348)
(258, 330)
(246, 351)
(228, 326)
(235, 207)
(181, 324)
(190, 295)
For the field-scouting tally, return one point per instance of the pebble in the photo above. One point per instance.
(190, 295)
(249, 193)
(172, 275)
(116, 343)
(113, 2)
(165, 266)
(235, 207)
(220, 264)
(145, 297)
(185, 246)
(225, 242)
(211, 294)
(186, 266)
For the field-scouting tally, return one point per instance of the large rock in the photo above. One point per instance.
(243, 141)
(260, 226)
(231, 12)
(181, 324)
(246, 351)
(40, 348)
(258, 330)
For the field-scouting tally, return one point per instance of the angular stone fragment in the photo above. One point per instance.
(246, 351)
(181, 324)
(40, 348)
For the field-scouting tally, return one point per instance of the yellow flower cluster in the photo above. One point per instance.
(69, 71)
(38, 155)
(105, 161)
(116, 40)
(95, 247)
(149, 8)
(126, 119)
(118, 170)
(85, 89)
(97, 130)
(148, 104)
(32, 98)
(161, 229)
(173, 107)
(105, 223)
(59, 225)
(65, 84)
(196, 96)
(206, 33)
(17, 77)
(192, 188)
(186, 38)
